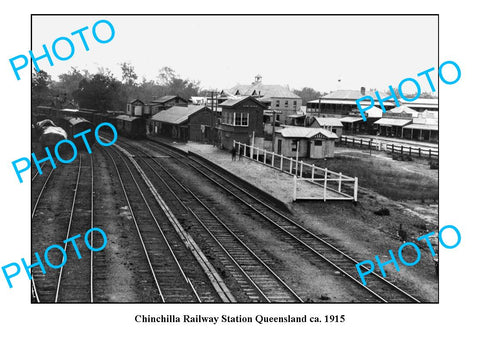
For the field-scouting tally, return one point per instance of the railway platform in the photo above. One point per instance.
(279, 185)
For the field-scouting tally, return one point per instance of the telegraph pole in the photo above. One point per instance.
(273, 131)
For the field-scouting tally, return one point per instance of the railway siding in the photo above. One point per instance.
(216, 280)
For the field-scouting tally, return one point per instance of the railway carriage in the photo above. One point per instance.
(130, 126)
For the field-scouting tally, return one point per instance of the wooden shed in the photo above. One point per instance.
(130, 126)
(331, 124)
(305, 142)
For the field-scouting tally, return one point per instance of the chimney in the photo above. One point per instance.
(362, 91)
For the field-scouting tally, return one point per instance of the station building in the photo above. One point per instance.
(276, 97)
(183, 123)
(241, 120)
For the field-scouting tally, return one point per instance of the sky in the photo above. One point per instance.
(221, 51)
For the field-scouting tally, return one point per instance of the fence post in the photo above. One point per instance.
(252, 149)
(361, 143)
(245, 150)
(273, 159)
(429, 153)
(410, 151)
(340, 182)
(258, 154)
(301, 169)
(291, 165)
(281, 162)
(401, 150)
(313, 172)
(419, 152)
(369, 144)
(355, 189)
(325, 186)
(265, 156)
(294, 188)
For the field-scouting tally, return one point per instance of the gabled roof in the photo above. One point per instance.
(403, 109)
(177, 115)
(135, 100)
(234, 101)
(166, 99)
(334, 122)
(306, 132)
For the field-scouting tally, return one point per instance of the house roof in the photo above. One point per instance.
(166, 99)
(351, 95)
(126, 117)
(351, 119)
(234, 101)
(329, 122)
(265, 91)
(135, 100)
(392, 122)
(306, 132)
(177, 114)
(403, 109)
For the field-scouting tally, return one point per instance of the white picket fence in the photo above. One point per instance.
(336, 186)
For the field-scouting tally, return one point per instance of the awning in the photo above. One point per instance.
(422, 127)
(392, 122)
(351, 119)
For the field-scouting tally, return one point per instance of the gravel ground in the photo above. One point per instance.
(355, 228)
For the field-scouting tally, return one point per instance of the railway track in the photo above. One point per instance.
(244, 270)
(176, 275)
(290, 231)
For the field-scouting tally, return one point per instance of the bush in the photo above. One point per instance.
(433, 164)
(382, 212)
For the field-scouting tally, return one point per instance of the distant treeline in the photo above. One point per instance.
(102, 91)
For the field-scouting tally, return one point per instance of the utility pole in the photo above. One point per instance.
(273, 131)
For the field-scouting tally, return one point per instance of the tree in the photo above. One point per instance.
(307, 94)
(41, 88)
(102, 92)
(129, 76)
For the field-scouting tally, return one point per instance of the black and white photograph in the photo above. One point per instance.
(234, 167)
(255, 174)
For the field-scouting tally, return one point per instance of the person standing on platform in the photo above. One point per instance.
(234, 153)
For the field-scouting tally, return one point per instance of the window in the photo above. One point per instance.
(235, 119)
(128, 108)
(238, 118)
(277, 104)
(245, 117)
(334, 130)
(294, 145)
(295, 104)
(286, 104)
(318, 143)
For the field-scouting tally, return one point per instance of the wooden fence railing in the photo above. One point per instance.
(336, 186)
(392, 148)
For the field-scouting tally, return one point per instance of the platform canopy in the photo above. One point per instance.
(392, 122)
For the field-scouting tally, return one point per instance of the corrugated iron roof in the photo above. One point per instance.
(392, 122)
(403, 109)
(164, 99)
(334, 122)
(177, 115)
(266, 91)
(234, 101)
(351, 119)
(306, 132)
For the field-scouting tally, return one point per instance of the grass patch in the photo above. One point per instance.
(385, 178)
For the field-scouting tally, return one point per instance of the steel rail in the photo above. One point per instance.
(136, 226)
(187, 280)
(305, 230)
(235, 236)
